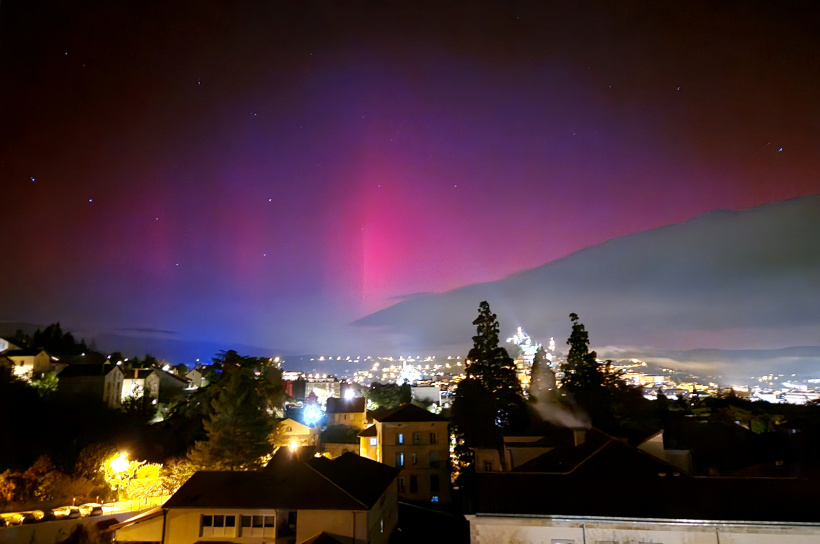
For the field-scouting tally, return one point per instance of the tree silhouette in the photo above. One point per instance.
(491, 367)
(239, 426)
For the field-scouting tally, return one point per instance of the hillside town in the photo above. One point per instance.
(409, 446)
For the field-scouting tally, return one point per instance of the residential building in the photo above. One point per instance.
(416, 442)
(196, 379)
(298, 434)
(28, 363)
(603, 490)
(99, 381)
(350, 412)
(350, 499)
(164, 386)
(133, 383)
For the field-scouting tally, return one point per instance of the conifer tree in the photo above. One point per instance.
(582, 373)
(490, 365)
(238, 428)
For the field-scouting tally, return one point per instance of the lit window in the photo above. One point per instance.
(416, 438)
(399, 459)
(217, 525)
(434, 498)
(400, 438)
(258, 526)
(381, 525)
(415, 459)
(374, 441)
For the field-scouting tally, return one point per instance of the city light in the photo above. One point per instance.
(120, 463)
(312, 414)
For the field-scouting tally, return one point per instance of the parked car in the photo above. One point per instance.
(66, 512)
(30, 517)
(91, 509)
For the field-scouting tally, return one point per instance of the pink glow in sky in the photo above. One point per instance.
(269, 172)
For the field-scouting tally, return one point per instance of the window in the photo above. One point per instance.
(415, 459)
(399, 459)
(258, 526)
(400, 438)
(488, 466)
(416, 438)
(401, 484)
(433, 438)
(381, 525)
(414, 484)
(434, 461)
(217, 525)
(434, 483)
(557, 541)
(374, 441)
(288, 429)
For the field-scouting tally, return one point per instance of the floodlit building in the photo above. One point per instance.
(350, 412)
(298, 434)
(28, 363)
(416, 442)
(350, 499)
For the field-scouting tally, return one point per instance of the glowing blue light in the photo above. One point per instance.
(311, 414)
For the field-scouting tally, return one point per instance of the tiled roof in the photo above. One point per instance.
(369, 431)
(342, 406)
(405, 413)
(314, 484)
(79, 370)
(22, 352)
(608, 477)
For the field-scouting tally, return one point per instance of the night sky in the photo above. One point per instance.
(266, 173)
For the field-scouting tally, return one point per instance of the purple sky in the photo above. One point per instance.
(266, 173)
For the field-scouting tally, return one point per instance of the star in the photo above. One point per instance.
(32, 179)
(780, 150)
(90, 200)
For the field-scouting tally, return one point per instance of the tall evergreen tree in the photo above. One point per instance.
(239, 426)
(491, 366)
(582, 373)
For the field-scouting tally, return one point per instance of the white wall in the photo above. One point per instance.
(521, 530)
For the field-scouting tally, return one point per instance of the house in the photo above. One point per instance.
(196, 379)
(416, 442)
(602, 489)
(298, 434)
(164, 386)
(100, 381)
(350, 412)
(516, 450)
(133, 383)
(28, 363)
(350, 499)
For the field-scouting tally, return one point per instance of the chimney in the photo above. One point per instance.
(136, 373)
(579, 436)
